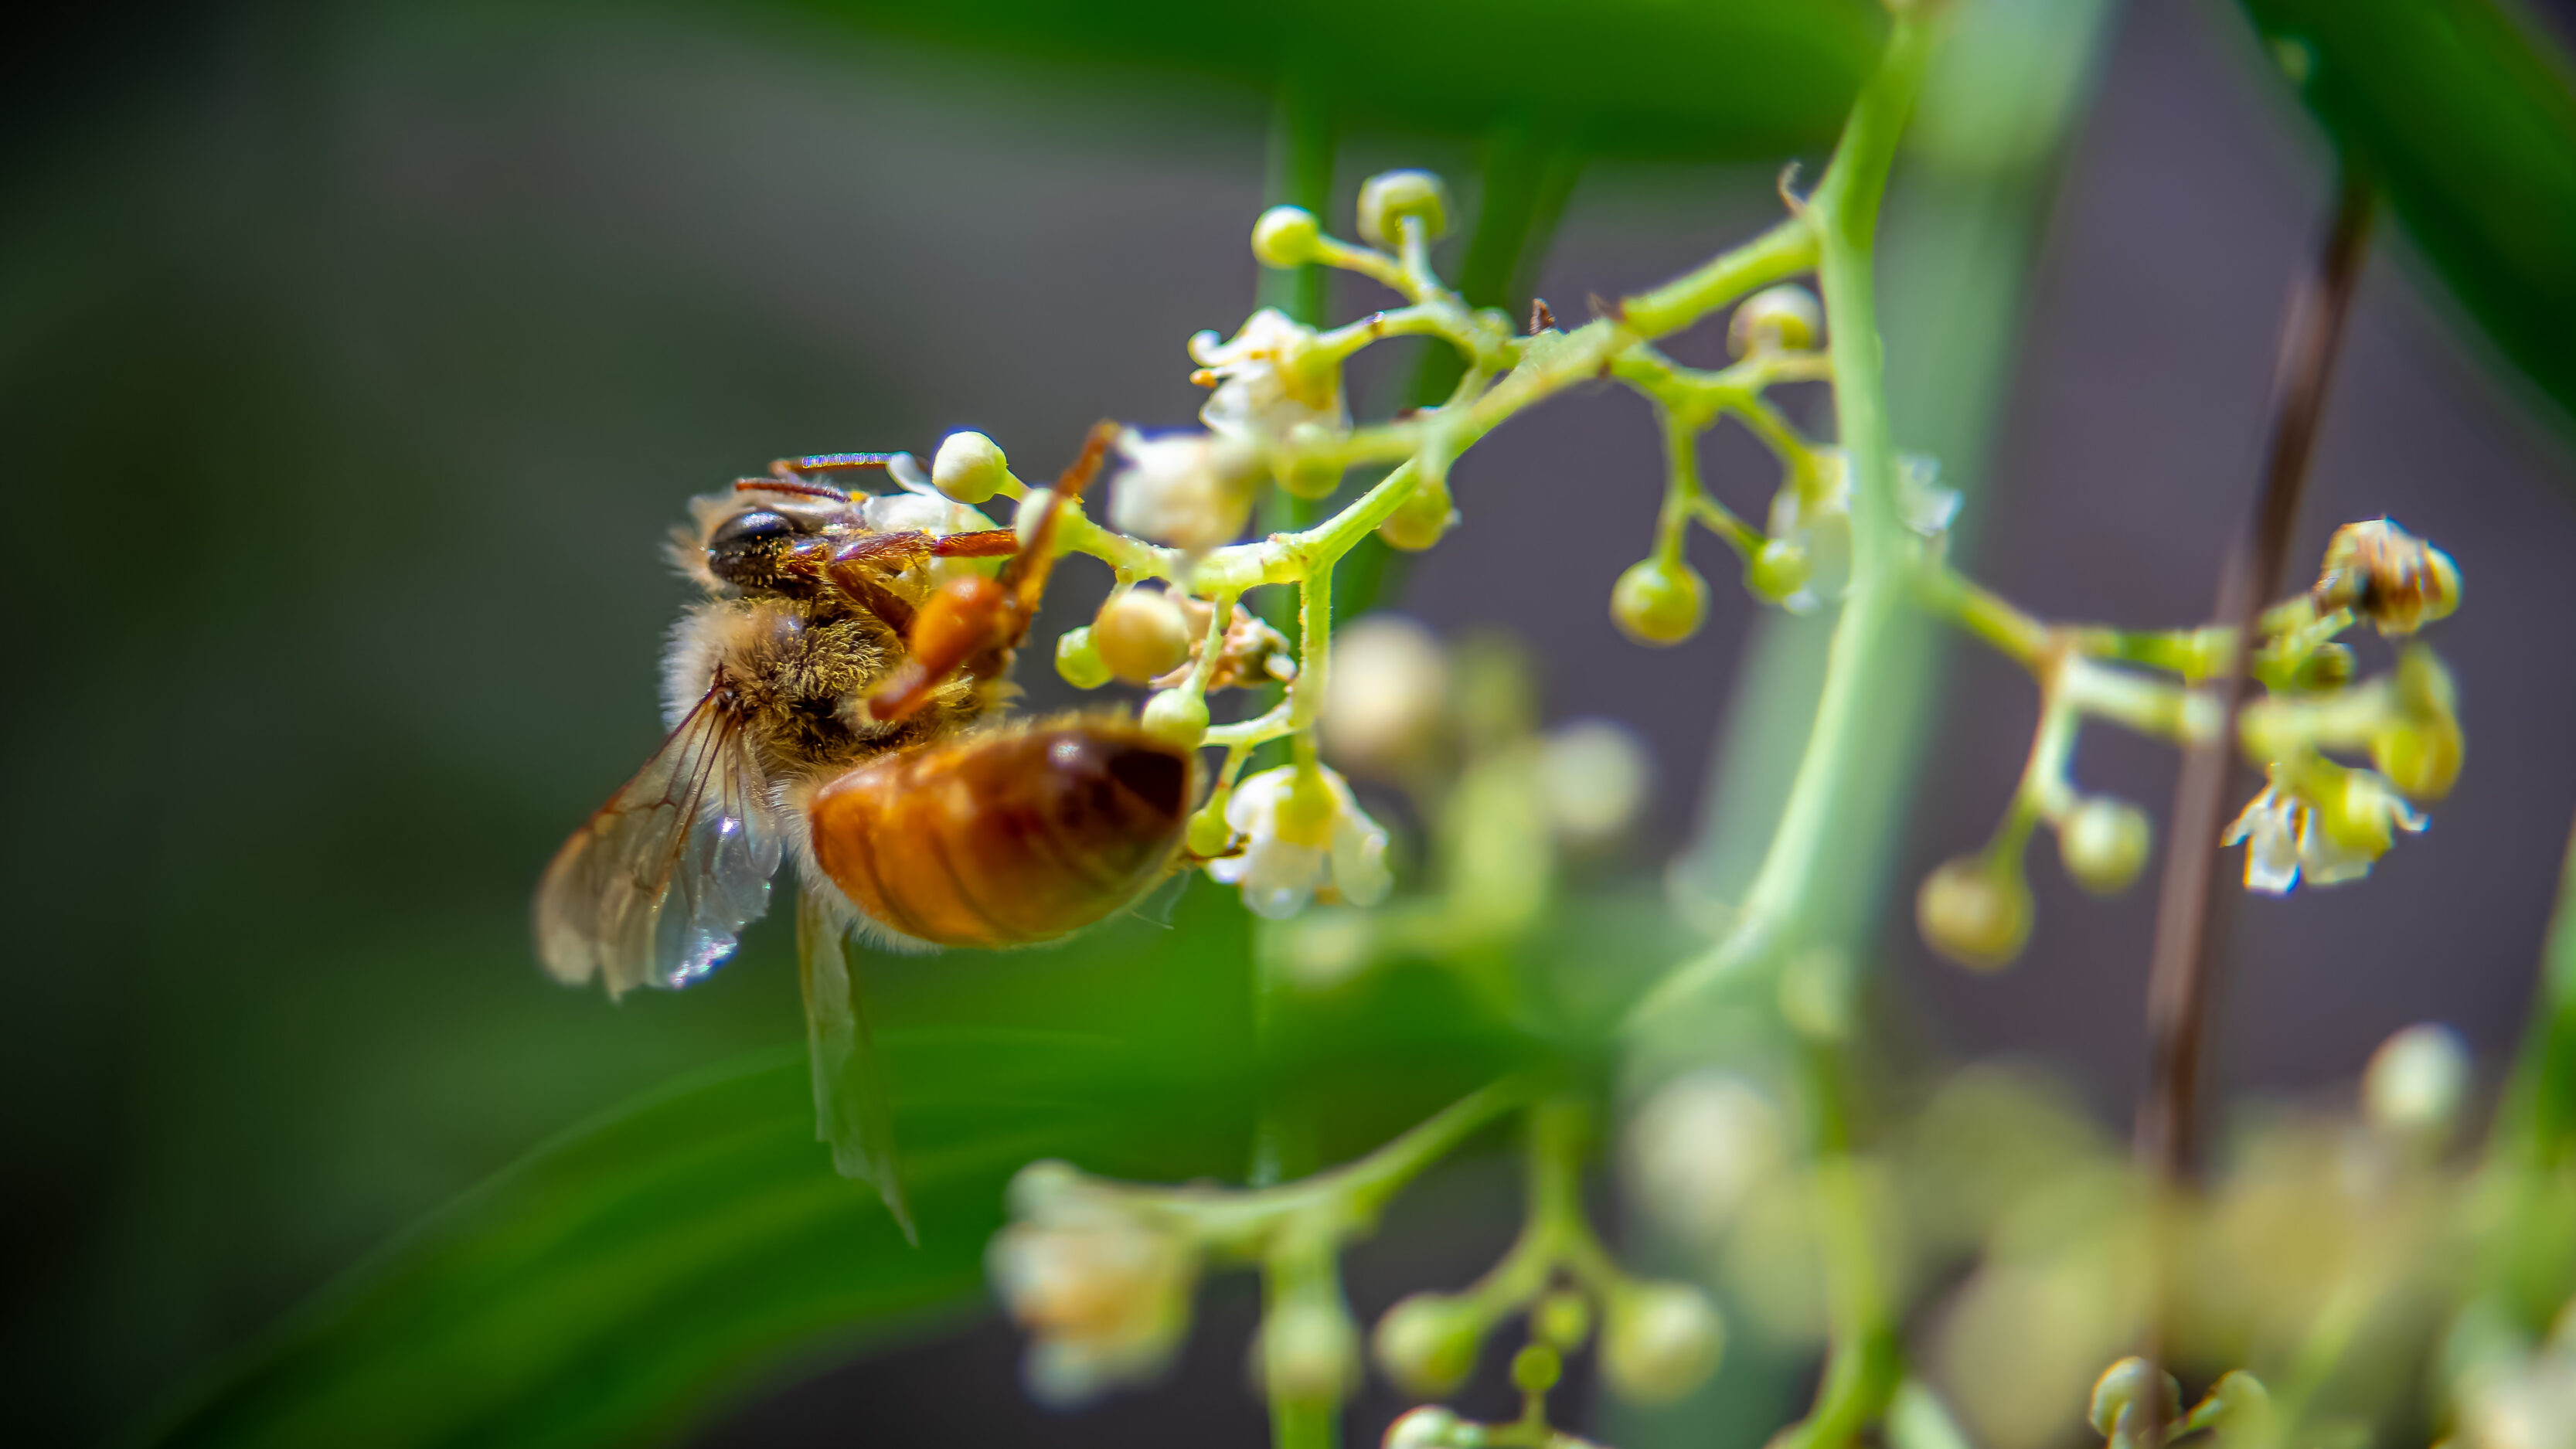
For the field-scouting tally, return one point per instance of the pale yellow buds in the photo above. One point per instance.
(1428, 1427)
(1285, 236)
(1386, 699)
(1209, 834)
(1308, 1351)
(2104, 843)
(1428, 1343)
(2416, 1083)
(1178, 716)
(1700, 1148)
(1975, 910)
(1659, 602)
(1078, 661)
(2397, 581)
(969, 468)
(1777, 571)
(2119, 1400)
(1785, 318)
(1390, 198)
(1659, 1341)
(1592, 779)
(1420, 520)
(1141, 634)
(2420, 747)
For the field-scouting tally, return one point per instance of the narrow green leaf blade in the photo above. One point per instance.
(2462, 112)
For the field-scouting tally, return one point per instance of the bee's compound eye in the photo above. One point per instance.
(744, 530)
(742, 548)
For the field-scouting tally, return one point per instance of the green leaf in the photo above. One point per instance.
(1738, 78)
(2464, 116)
(618, 1281)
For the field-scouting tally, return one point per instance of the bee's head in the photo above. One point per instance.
(742, 541)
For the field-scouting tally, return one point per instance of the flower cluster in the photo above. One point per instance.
(1102, 1286)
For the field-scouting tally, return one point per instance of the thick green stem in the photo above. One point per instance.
(1837, 227)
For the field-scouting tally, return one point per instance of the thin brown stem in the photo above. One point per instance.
(2182, 982)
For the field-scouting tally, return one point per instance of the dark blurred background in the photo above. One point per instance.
(355, 357)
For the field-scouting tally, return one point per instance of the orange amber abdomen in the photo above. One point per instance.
(1006, 837)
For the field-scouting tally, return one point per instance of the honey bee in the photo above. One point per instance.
(833, 701)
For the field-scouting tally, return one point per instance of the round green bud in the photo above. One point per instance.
(2117, 1395)
(1975, 912)
(1428, 1343)
(2237, 1404)
(1536, 1368)
(1656, 602)
(2416, 1082)
(1177, 716)
(1428, 1427)
(969, 468)
(1078, 661)
(1785, 318)
(1659, 1341)
(1141, 634)
(1562, 1321)
(2104, 844)
(1210, 836)
(1389, 197)
(1777, 570)
(1304, 474)
(1285, 236)
(2357, 810)
(1419, 521)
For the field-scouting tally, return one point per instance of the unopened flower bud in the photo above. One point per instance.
(1209, 835)
(2118, 1395)
(1386, 699)
(1308, 1351)
(1285, 236)
(2416, 1082)
(1777, 319)
(1659, 1341)
(1177, 716)
(1078, 660)
(1562, 1321)
(1698, 1150)
(2389, 576)
(1420, 520)
(1141, 634)
(2359, 813)
(2237, 1405)
(1976, 911)
(1536, 1368)
(1428, 1427)
(1592, 777)
(2104, 844)
(1777, 571)
(1659, 602)
(969, 467)
(2421, 749)
(1428, 1343)
(1389, 197)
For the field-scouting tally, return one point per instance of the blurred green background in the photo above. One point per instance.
(354, 358)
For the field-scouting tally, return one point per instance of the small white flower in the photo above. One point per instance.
(2269, 830)
(2286, 842)
(1700, 1147)
(1297, 845)
(1104, 1290)
(1262, 394)
(1193, 491)
(1387, 696)
(1592, 776)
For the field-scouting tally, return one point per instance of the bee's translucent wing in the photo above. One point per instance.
(850, 1110)
(656, 889)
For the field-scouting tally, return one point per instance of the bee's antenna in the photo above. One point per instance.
(797, 486)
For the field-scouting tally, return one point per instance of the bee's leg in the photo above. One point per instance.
(973, 623)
